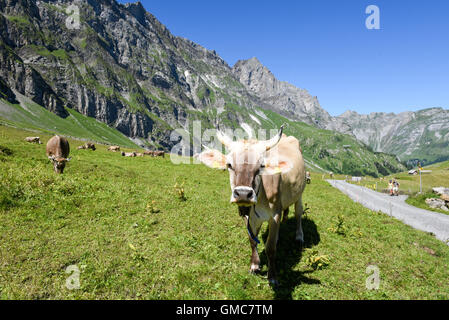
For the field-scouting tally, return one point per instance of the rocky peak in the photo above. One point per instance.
(292, 102)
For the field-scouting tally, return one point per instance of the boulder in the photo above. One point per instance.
(441, 190)
(437, 204)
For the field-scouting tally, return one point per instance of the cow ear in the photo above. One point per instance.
(213, 159)
(275, 167)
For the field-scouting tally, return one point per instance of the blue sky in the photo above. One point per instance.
(324, 46)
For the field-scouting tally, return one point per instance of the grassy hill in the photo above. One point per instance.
(122, 223)
(331, 151)
(30, 115)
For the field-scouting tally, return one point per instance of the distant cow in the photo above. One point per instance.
(33, 140)
(159, 154)
(58, 150)
(155, 153)
(138, 154)
(114, 148)
(87, 145)
(129, 154)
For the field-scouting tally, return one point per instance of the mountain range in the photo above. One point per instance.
(124, 68)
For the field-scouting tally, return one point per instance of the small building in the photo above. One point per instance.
(356, 179)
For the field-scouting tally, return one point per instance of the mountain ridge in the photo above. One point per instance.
(414, 136)
(123, 67)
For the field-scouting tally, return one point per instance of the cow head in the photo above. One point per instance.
(59, 163)
(246, 161)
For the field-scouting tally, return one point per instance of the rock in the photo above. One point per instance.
(436, 203)
(441, 190)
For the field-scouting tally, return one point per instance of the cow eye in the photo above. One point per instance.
(229, 166)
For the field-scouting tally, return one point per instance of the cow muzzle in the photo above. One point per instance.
(243, 196)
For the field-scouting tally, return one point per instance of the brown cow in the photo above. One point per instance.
(154, 153)
(33, 140)
(58, 150)
(266, 177)
(114, 148)
(159, 154)
(87, 145)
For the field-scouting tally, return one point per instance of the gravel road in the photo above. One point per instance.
(425, 220)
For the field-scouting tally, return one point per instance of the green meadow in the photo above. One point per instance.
(145, 228)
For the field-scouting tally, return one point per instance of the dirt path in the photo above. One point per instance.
(420, 219)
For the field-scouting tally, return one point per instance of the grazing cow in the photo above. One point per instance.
(33, 140)
(129, 154)
(87, 145)
(114, 148)
(266, 178)
(138, 154)
(155, 153)
(159, 154)
(58, 151)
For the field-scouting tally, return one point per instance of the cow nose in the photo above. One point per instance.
(243, 194)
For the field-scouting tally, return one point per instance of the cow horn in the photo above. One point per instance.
(224, 139)
(275, 140)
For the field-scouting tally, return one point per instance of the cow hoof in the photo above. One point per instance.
(274, 283)
(254, 269)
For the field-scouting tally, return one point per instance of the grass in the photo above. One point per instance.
(122, 223)
(20, 20)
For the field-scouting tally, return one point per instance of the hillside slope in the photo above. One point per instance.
(32, 116)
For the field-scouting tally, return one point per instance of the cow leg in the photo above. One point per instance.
(255, 260)
(298, 213)
(285, 215)
(270, 248)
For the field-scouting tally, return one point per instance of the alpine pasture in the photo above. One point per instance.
(145, 228)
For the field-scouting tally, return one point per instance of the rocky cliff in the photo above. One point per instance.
(119, 65)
